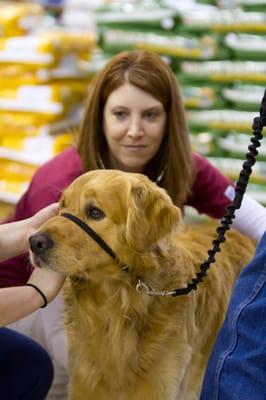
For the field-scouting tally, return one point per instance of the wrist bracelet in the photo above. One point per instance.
(40, 292)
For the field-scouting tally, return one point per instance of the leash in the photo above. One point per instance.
(141, 287)
(257, 126)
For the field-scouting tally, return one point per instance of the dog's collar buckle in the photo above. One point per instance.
(143, 288)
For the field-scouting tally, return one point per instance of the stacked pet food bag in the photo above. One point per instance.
(217, 50)
(43, 83)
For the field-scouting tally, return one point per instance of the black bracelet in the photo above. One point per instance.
(40, 292)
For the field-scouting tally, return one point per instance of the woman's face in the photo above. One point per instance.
(134, 126)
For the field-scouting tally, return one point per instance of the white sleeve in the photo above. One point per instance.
(250, 219)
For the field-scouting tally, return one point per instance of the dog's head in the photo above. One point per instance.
(128, 211)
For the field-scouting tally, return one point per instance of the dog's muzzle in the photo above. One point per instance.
(40, 243)
(86, 228)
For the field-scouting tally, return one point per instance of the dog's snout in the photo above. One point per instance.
(40, 242)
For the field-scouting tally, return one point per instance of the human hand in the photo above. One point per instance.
(41, 216)
(34, 222)
(14, 236)
(48, 281)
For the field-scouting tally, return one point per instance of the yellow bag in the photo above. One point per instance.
(17, 19)
(53, 101)
(45, 48)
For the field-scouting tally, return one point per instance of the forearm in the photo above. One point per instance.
(13, 240)
(17, 302)
(250, 218)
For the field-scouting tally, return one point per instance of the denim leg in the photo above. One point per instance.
(26, 371)
(237, 366)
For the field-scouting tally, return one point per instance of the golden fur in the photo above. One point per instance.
(124, 345)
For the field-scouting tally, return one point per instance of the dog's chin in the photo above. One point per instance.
(39, 261)
(42, 261)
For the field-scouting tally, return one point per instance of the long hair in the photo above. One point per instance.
(147, 71)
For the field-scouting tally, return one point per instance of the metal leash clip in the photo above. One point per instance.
(143, 288)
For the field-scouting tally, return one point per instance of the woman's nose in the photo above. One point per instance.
(135, 129)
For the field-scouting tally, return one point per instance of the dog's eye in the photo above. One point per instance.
(95, 213)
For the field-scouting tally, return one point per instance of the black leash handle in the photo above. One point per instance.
(258, 124)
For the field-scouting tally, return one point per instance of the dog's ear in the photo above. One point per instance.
(151, 215)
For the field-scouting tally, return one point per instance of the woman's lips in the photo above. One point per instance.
(135, 147)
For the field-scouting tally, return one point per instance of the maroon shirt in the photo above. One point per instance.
(207, 196)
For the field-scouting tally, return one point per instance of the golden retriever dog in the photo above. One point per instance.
(126, 339)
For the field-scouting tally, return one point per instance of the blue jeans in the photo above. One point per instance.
(237, 366)
(26, 371)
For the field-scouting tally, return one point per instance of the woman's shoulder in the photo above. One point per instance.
(201, 162)
(64, 166)
(208, 173)
(53, 177)
(69, 157)
(211, 191)
(48, 183)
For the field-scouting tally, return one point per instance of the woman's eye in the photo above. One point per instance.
(120, 114)
(151, 115)
(95, 213)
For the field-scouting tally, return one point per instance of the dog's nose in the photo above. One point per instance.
(40, 242)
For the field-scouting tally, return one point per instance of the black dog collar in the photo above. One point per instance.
(86, 228)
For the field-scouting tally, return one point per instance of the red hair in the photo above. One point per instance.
(147, 71)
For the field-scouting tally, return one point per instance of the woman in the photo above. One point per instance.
(134, 121)
(26, 371)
